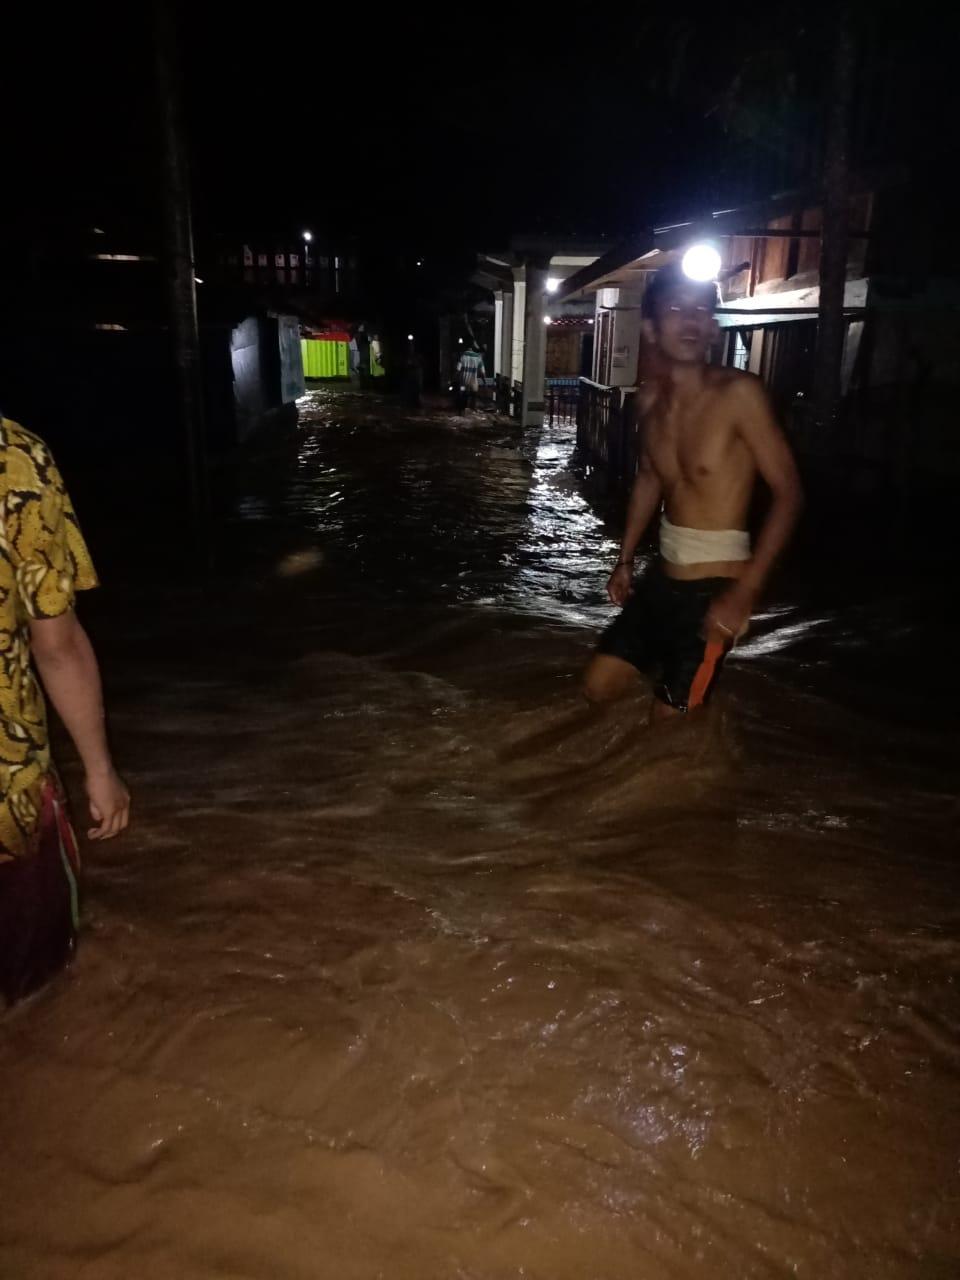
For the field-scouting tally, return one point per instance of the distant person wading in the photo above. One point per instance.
(470, 372)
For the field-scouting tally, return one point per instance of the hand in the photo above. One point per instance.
(728, 618)
(109, 804)
(620, 584)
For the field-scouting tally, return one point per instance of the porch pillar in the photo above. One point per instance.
(504, 355)
(534, 348)
(497, 329)
(518, 331)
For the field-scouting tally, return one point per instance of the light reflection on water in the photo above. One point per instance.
(461, 511)
(563, 552)
(464, 511)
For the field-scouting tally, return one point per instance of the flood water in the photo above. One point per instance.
(414, 967)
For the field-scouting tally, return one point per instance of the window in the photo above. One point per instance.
(741, 349)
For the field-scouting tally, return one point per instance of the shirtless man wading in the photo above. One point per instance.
(708, 432)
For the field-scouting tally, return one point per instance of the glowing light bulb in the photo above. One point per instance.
(701, 262)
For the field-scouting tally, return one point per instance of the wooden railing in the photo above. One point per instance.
(561, 399)
(607, 430)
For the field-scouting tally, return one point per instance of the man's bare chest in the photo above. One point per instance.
(691, 445)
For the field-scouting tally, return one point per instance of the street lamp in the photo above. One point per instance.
(701, 262)
(307, 237)
(553, 284)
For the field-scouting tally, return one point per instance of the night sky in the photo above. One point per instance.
(459, 130)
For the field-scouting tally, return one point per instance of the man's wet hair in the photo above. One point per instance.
(669, 278)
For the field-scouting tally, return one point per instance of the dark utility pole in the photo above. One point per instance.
(831, 326)
(178, 260)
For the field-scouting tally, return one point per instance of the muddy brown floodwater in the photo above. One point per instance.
(414, 967)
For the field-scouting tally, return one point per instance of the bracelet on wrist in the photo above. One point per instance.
(621, 563)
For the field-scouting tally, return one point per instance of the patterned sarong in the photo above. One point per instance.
(39, 902)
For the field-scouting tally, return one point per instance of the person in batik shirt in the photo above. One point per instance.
(43, 563)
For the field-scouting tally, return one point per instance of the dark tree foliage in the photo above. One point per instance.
(759, 82)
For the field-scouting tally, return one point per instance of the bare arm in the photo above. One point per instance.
(771, 453)
(64, 657)
(645, 497)
(761, 434)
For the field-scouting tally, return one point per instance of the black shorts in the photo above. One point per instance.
(658, 631)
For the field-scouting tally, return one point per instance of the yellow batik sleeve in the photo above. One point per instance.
(48, 551)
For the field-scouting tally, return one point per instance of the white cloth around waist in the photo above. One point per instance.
(680, 545)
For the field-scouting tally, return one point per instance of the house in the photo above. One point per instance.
(537, 337)
(278, 264)
(769, 274)
(900, 358)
